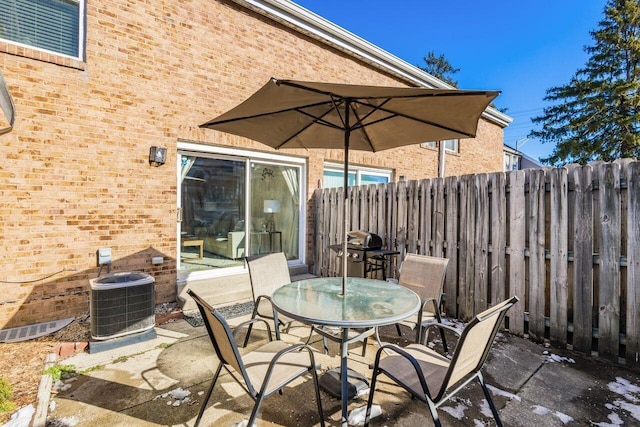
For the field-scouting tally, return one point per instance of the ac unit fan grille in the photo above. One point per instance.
(121, 311)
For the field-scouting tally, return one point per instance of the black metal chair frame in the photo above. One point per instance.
(443, 393)
(257, 395)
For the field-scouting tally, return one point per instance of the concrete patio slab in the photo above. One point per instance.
(145, 385)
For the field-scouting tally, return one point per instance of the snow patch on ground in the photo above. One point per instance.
(541, 410)
(563, 417)
(498, 392)
(176, 396)
(22, 418)
(631, 402)
(485, 409)
(613, 417)
(553, 358)
(630, 392)
(357, 416)
(457, 412)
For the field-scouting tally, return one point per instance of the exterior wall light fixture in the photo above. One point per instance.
(157, 156)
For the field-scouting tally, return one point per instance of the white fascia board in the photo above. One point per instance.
(307, 22)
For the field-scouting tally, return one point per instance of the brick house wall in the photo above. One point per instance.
(75, 174)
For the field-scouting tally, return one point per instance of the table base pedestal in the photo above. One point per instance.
(330, 382)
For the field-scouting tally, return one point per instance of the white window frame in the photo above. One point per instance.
(193, 148)
(358, 171)
(81, 35)
(452, 145)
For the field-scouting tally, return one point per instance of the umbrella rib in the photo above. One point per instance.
(268, 113)
(397, 114)
(360, 125)
(316, 119)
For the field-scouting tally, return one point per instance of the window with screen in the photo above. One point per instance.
(358, 175)
(51, 25)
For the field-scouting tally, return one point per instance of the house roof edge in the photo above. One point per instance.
(313, 25)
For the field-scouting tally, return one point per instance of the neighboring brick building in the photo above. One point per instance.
(75, 174)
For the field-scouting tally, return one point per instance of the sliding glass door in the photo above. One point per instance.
(213, 208)
(232, 207)
(275, 209)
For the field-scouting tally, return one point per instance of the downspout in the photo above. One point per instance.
(6, 103)
(441, 153)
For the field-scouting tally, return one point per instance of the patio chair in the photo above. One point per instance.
(267, 273)
(261, 372)
(425, 276)
(433, 378)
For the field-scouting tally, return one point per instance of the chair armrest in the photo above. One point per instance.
(402, 353)
(295, 347)
(443, 326)
(250, 322)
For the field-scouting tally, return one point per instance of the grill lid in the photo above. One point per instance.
(364, 240)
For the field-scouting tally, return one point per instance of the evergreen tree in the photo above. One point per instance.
(440, 67)
(596, 115)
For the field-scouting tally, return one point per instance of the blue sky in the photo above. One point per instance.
(519, 47)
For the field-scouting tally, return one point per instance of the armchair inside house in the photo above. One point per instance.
(224, 237)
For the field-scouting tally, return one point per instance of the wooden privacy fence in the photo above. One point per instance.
(566, 241)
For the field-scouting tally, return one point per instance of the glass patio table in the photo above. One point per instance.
(367, 303)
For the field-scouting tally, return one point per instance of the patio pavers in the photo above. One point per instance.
(532, 385)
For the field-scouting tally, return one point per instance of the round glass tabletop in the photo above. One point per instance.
(367, 302)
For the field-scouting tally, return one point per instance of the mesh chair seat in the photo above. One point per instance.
(434, 378)
(400, 369)
(289, 367)
(260, 372)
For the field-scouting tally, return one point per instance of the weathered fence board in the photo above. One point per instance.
(465, 248)
(558, 251)
(392, 229)
(413, 212)
(438, 218)
(583, 259)
(517, 233)
(609, 262)
(566, 241)
(425, 218)
(498, 237)
(451, 237)
(400, 216)
(536, 262)
(633, 265)
(481, 243)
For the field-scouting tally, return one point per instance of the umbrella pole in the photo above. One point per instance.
(347, 134)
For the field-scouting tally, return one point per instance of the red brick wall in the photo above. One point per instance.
(75, 175)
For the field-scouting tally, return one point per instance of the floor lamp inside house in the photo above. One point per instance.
(271, 207)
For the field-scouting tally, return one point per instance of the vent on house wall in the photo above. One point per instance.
(122, 303)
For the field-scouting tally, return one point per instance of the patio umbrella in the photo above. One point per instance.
(298, 114)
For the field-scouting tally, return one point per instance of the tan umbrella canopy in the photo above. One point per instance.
(297, 114)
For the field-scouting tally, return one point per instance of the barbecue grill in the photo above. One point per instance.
(365, 255)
